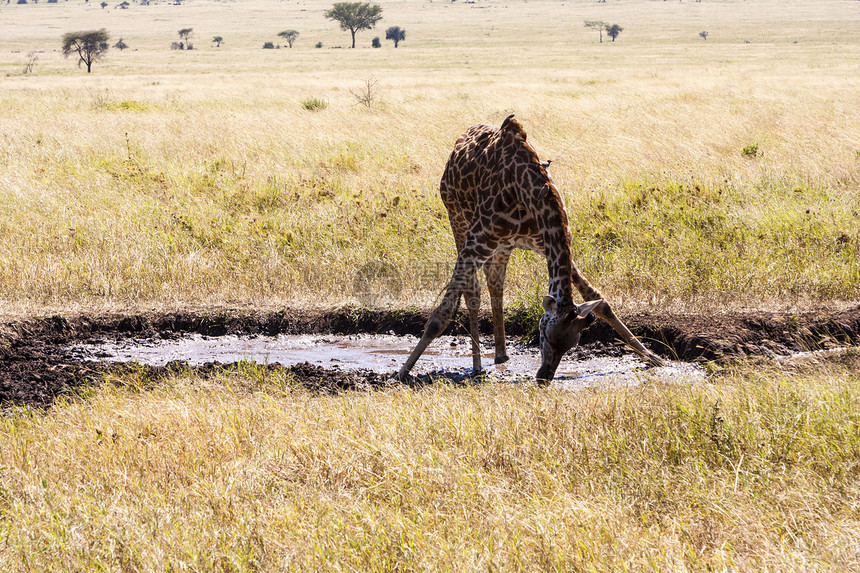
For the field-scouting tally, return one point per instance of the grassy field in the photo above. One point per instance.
(699, 175)
(172, 177)
(757, 470)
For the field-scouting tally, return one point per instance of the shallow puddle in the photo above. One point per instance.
(382, 354)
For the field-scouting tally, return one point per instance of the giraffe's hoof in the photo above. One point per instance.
(402, 377)
(502, 359)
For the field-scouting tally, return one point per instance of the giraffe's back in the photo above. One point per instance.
(479, 173)
(465, 170)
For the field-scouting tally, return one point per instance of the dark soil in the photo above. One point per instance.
(35, 367)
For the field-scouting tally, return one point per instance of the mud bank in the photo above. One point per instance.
(37, 366)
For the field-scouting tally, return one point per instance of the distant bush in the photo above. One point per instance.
(750, 150)
(376, 43)
(269, 46)
(314, 104)
(614, 31)
(318, 45)
(396, 34)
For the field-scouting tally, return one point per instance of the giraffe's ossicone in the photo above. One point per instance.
(500, 197)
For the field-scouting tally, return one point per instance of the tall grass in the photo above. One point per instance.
(199, 177)
(757, 470)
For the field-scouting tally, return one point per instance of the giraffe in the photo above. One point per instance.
(499, 196)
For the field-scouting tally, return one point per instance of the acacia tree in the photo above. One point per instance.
(355, 16)
(613, 31)
(120, 45)
(598, 25)
(185, 35)
(218, 40)
(89, 46)
(396, 34)
(703, 34)
(289, 36)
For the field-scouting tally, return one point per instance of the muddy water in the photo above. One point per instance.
(382, 354)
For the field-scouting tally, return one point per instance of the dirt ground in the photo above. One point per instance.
(36, 367)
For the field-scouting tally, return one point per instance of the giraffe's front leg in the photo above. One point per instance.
(435, 325)
(464, 280)
(604, 311)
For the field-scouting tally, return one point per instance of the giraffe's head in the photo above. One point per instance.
(560, 328)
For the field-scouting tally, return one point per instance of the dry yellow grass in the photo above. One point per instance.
(175, 178)
(756, 471)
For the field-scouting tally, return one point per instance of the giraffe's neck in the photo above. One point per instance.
(564, 277)
(559, 264)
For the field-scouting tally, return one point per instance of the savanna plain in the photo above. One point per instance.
(702, 176)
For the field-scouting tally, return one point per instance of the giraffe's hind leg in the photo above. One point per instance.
(495, 270)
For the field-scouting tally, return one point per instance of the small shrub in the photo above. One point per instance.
(376, 43)
(369, 95)
(750, 150)
(318, 45)
(269, 46)
(31, 61)
(100, 99)
(314, 104)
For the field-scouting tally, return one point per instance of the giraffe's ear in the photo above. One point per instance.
(549, 304)
(545, 164)
(507, 122)
(586, 307)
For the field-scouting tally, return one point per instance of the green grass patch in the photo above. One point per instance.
(314, 104)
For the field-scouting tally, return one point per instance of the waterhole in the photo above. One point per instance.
(382, 354)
